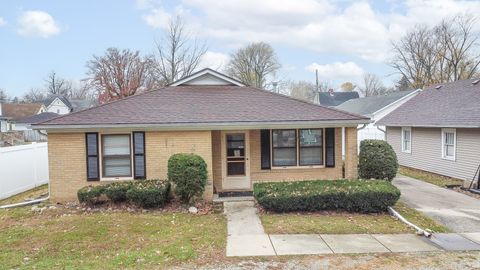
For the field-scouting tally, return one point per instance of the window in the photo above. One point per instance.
(284, 146)
(311, 147)
(406, 140)
(449, 142)
(292, 147)
(116, 156)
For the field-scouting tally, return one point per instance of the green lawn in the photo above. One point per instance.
(346, 223)
(438, 180)
(67, 238)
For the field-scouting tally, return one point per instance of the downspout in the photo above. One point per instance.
(404, 220)
(27, 202)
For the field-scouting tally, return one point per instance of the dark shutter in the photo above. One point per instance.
(139, 155)
(330, 147)
(265, 148)
(91, 141)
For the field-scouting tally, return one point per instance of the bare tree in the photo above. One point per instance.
(119, 74)
(253, 63)
(3, 96)
(34, 95)
(55, 85)
(443, 53)
(178, 54)
(303, 90)
(372, 86)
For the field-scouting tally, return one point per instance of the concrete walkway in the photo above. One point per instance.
(459, 212)
(246, 237)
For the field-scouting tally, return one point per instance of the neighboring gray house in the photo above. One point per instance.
(376, 108)
(332, 99)
(439, 130)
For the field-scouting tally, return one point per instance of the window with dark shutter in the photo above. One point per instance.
(265, 149)
(91, 140)
(330, 147)
(139, 155)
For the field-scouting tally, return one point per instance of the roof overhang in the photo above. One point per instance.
(429, 126)
(204, 126)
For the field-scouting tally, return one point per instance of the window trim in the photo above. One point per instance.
(102, 165)
(409, 129)
(296, 148)
(297, 145)
(454, 131)
(322, 152)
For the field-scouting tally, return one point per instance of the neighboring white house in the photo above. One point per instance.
(58, 104)
(376, 108)
(11, 112)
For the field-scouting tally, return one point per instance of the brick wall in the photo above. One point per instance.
(67, 161)
(351, 156)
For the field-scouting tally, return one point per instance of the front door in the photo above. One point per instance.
(236, 160)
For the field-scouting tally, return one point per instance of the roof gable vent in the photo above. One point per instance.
(475, 82)
(438, 87)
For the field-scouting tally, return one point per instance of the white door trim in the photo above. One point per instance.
(236, 182)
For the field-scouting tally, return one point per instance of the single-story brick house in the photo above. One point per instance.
(438, 130)
(244, 134)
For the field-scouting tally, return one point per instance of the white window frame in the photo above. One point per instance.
(409, 129)
(297, 165)
(454, 131)
(100, 156)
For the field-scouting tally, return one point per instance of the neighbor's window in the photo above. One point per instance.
(311, 147)
(448, 143)
(406, 140)
(116, 156)
(284, 146)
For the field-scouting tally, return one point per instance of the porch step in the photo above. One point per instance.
(217, 198)
(235, 194)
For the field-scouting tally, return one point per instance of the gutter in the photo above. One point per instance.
(209, 126)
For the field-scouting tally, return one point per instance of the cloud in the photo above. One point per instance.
(338, 71)
(2, 22)
(36, 23)
(351, 28)
(214, 60)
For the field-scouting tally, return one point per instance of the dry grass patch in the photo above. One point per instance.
(345, 223)
(438, 180)
(62, 238)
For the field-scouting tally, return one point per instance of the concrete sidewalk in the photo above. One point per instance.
(246, 237)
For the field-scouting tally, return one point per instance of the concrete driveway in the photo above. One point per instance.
(457, 211)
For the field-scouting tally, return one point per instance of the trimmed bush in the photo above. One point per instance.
(377, 160)
(149, 193)
(117, 192)
(189, 174)
(91, 194)
(364, 196)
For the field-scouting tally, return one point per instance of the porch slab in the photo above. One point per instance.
(454, 242)
(353, 243)
(216, 198)
(475, 237)
(405, 242)
(249, 245)
(299, 244)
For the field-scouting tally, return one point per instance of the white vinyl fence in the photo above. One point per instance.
(22, 167)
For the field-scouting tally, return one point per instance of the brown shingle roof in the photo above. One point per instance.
(454, 104)
(20, 110)
(203, 105)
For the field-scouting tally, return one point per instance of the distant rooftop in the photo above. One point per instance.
(332, 99)
(368, 105)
